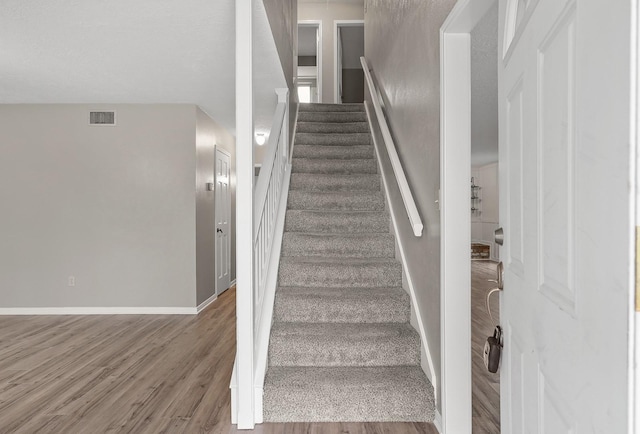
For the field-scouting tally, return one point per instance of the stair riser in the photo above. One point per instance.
(338, 246)
(302, 350)
(332, 117)
(346, 396)
(351, 107)
(340, 275)
(354, 223)
(352, 139)
(345, 167)
(332, 127)
(336, 201)
(321, 182)
(320, 307)
(333, 152)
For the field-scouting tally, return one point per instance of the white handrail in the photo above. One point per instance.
(405, 191)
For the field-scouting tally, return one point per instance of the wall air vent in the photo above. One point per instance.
(102, 118)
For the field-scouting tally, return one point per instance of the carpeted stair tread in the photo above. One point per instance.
(348, 394)
(341, 201)
(332, 116)
(330, 139)
(342, 245)
(320, 165)
(332, 344)
(342, 305)
(333, 152)
(339, 272)
(332, 127)
(341, 347)
(324, 182)
(336, 222)
(324, 107)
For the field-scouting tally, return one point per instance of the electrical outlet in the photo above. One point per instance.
(72, 281)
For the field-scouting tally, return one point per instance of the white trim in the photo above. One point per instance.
(233, 282)
(244, 214)
(437, 421)
(98, 311)
(318, 24)
(455, 164)
(218, 148)
(396, 164)
(268, 299)
(336, 24)
(403, 257)
(202, 306)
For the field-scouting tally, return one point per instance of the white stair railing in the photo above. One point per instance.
(267, 197)
(270, 205)
(405, 191)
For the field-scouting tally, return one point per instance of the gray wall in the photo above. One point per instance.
(352, 85)
(284, 26)
(209, 135)
(327, 13)
(113, 206)
(402, 47)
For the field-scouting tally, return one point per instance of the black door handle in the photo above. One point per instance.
(219, 230)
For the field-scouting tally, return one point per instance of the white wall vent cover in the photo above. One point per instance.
(102, 118)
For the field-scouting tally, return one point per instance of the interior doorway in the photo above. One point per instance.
(309, 71)
(223, 220)
(485, 255)
(348, 36)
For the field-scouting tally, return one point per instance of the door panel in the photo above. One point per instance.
(223, 221)
(560, 324)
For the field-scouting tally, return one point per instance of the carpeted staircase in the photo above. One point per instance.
(341, 346)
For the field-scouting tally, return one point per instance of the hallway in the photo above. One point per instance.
(485, 385)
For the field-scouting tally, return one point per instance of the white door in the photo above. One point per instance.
(223, 221)
(565, 207)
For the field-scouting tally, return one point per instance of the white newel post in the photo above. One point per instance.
(244, 215)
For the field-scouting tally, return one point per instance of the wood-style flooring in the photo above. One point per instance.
(166, 374)
(132, 374)
(486, 386)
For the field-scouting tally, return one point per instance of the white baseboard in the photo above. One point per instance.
(233, 283)
(98, 311)
(437, 422)
(202, 306)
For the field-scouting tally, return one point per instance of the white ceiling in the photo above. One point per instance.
(484, 90)
(123, 51)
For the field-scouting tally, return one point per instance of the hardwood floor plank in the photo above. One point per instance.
(133, 374)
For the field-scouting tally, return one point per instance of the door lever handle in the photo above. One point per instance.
(219, 230)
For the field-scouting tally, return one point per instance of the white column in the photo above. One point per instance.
(244, 213)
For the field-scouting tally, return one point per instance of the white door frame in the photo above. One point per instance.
(336, 24)
(217, 149)
(455, 166)
(318, 24)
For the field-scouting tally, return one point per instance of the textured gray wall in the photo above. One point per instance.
(283, 15)
(208, 135)
(112, 206)
(402, 46)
